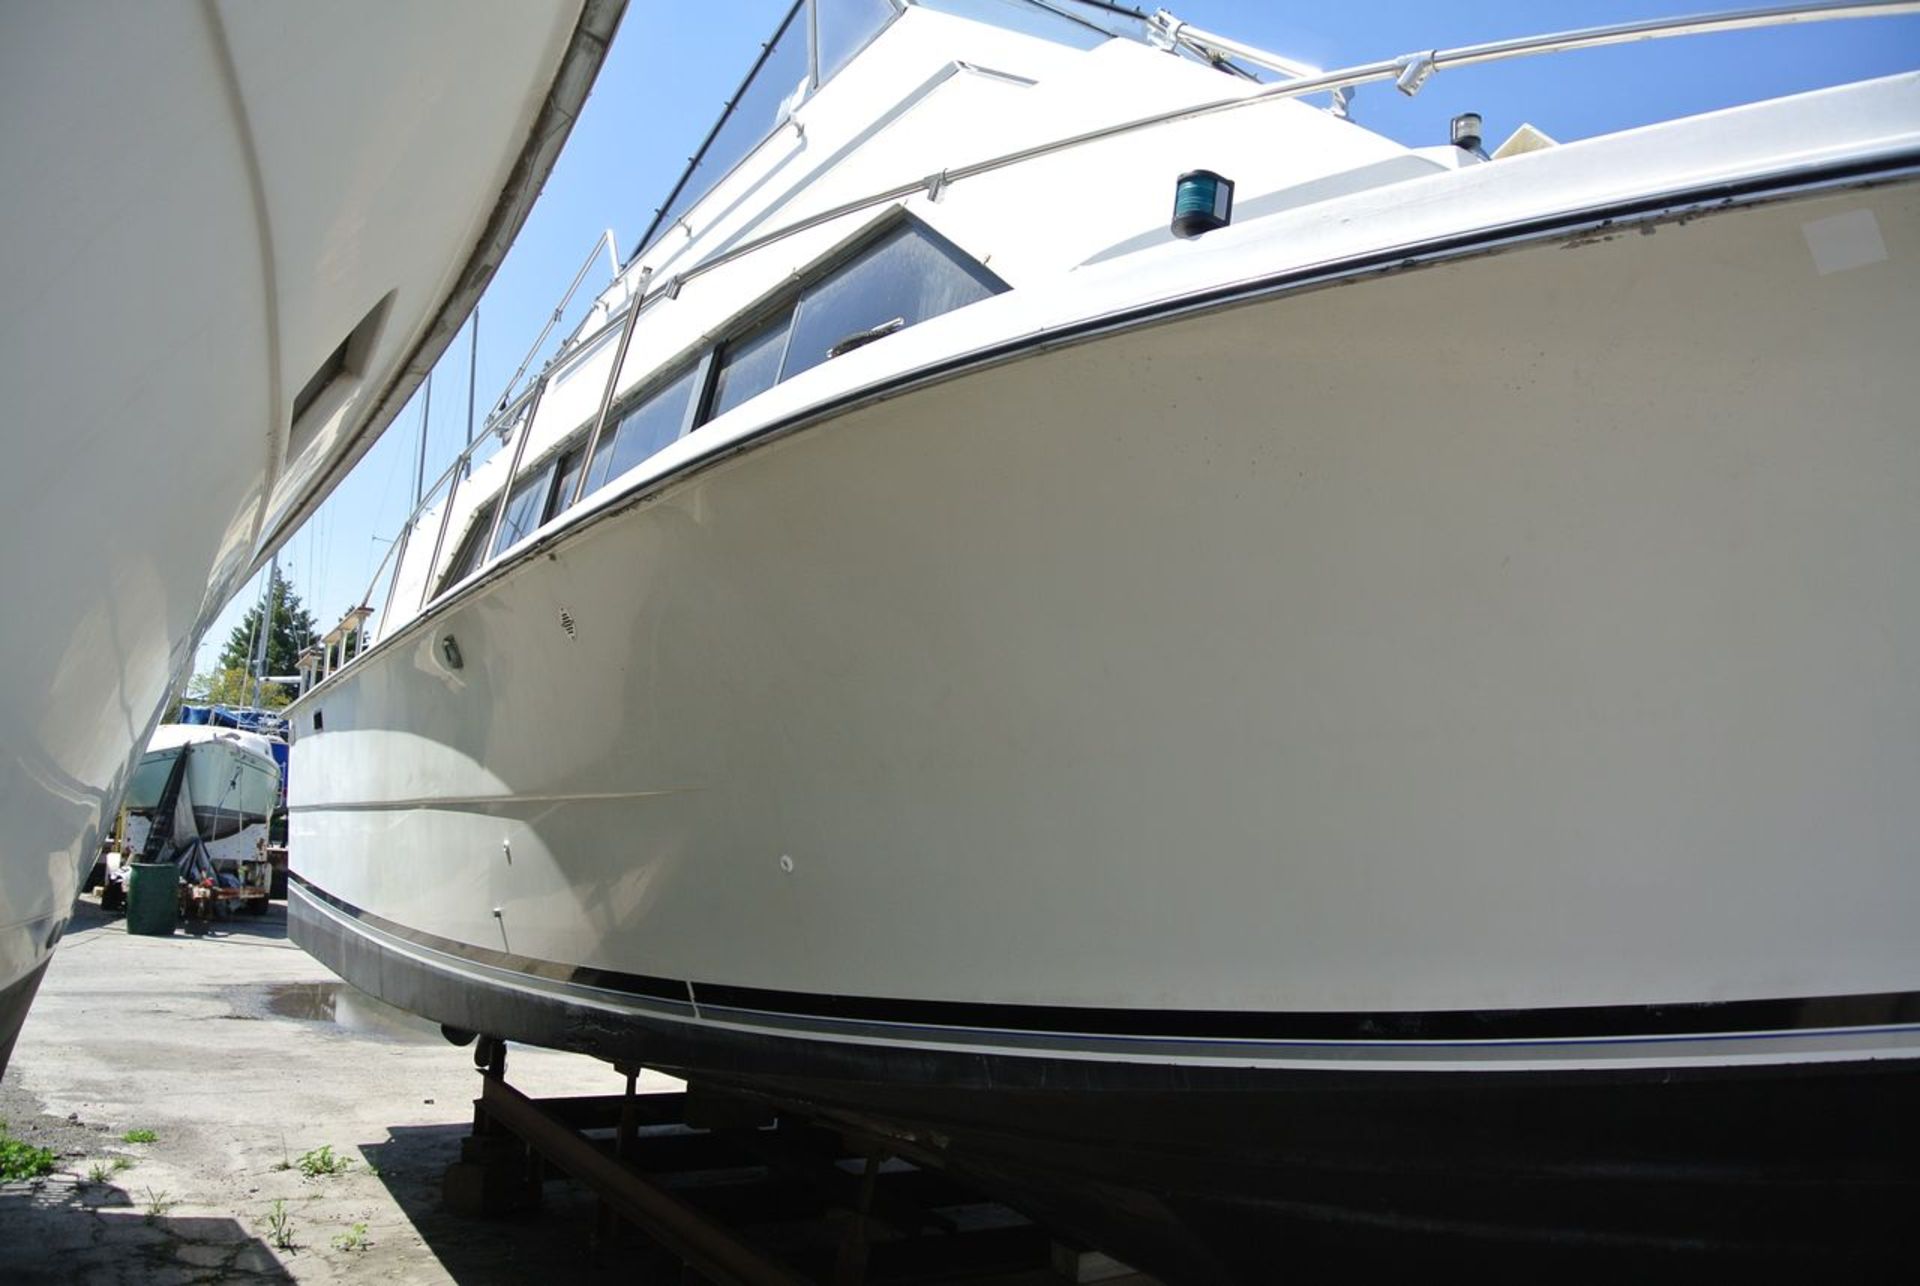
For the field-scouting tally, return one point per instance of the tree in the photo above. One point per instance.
(234, 687)
(292, 629)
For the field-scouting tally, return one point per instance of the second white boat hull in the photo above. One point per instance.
(237, 236)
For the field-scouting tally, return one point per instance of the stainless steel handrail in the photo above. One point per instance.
(606, 395)
(506, 486)
(1409, 72)
(605, 242)
(394, 547)
(503, 412)
(454, 477)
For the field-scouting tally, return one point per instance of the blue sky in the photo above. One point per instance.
(673, 65)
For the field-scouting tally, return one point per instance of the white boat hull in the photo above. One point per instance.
(1432, 643)
(204, 202)
(1507, 666)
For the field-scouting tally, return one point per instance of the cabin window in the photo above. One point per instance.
(1065, 22)
(774, 86)
(814, 41)
(568, 479)
(467, 556)
(749, 366)
(526, 506)
(900, 281)
(642, 429)
(845, 27)
(905, 276)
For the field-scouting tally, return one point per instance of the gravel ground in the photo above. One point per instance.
(222, 1045)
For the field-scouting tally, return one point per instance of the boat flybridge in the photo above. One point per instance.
(237, 234)
(1240, 684)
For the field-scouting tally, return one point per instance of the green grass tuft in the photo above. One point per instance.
(322, 1160)
(354, 1238)
(158, 1203)
(20, 1161)
(279, 1226)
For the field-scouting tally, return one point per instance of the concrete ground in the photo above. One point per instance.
(221, 1045)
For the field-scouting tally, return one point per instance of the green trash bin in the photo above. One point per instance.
(153, 898)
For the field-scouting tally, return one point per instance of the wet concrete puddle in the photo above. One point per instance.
(336, 1004)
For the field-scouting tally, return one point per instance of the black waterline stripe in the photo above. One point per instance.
(1709, 1018)
(633, 984)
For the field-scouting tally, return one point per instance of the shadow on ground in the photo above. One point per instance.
(553, 1242)
(63, 1229)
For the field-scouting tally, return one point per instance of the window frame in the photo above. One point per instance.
(703, 366)
(479, 526)
(754, 320)
(787, 297)
(700, 368)
(659, 225)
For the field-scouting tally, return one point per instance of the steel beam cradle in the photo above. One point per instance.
(739, 1192)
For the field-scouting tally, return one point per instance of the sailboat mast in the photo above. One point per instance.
(473, 375)
(264, 631)
(420, 470)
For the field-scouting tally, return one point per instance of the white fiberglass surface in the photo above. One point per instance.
(1216, 678)
(231, 780)
(214, 203)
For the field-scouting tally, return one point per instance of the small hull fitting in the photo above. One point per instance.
(1407, 768)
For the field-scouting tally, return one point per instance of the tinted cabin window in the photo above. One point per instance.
(845, 28)
(748, 366)
(901, 281)
(467, 556)
(563, 485)
(526, 506)
(1086, 28)
(643, 429)
(749, 119)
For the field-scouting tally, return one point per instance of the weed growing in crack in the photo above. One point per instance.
(279, 1226)
(142, 1135)
(354, 1238)
(20, 1161)
(321, 1160)
(158, 1203)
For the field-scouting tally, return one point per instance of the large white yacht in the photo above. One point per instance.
(236, 235)
(1252, 688)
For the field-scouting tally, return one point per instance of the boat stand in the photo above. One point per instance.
(742, 1194)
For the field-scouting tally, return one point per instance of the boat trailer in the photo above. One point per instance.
(741, 1193)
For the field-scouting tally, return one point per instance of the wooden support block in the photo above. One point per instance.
(1074, 1264)
(486, 1191)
